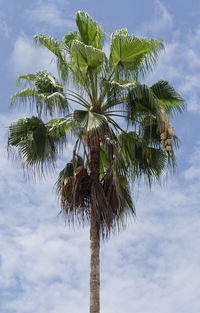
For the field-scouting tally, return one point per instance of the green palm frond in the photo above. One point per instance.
(32, 141)
(86, 57)
(63, 129)
(112, 157)
(121, 127)
(140, 101)
(68, 39)
(130, 54)
(90, 122)
(60, 130)
(77, 98)
(24, 96)
(26, 80)
(46, 93)
(168, 97)
(89, 31)
(96, 122)
(130, 156)
(128, 204)
(143, 161)
(133, 99)
(114, 89)
(53, 45)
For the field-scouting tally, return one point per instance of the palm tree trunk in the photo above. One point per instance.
(94, 266)
(94, 146)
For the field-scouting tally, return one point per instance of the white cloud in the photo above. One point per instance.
(50, 13)
(192, 58)
(162, 20)
(193, 36)
(193, 172)
(26, 58)
(13, 184)
(179, 65)
(151, 267)
(107, 48)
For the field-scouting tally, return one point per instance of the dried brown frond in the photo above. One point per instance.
(66, 191)
(108, 205)
(75, 196)
(81, 192)
(102, 209)
(81, 187)
(113, 191)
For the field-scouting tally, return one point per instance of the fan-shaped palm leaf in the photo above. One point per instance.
(54, 46)
(130, 54)
(89, 31)
(85, 56)
(33, 142)
(108, 154)
(132, 100)
(168, 97)
(68, 39)
(142, 160)
(46, 93)
(91, 122)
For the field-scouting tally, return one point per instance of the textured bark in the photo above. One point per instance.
(94, 147)
(94, 267)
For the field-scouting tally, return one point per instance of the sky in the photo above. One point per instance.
(154, 265)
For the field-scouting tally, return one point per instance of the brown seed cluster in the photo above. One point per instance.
(166, 133)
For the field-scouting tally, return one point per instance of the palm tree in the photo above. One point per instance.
(121, 127)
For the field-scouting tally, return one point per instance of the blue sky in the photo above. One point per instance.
(153, 266)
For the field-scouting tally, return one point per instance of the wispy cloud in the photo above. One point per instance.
(50, 13)
(193, 172)
(151, 267)
(180, 64)
(26, 58)
(161, 20)
(45, 265)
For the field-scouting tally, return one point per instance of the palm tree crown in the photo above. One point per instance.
(105, 89)
(120, 126)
